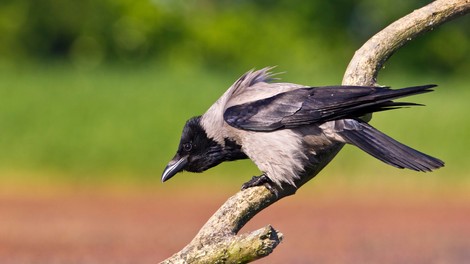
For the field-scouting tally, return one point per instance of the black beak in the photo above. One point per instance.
(174, 166)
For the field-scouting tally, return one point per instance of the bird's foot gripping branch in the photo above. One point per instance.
(261, 180)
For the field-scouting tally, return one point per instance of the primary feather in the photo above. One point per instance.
(306, 106)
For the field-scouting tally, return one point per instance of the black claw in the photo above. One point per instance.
(261, 180)
(256, 181)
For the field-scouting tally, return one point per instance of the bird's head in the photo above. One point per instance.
(196, 151)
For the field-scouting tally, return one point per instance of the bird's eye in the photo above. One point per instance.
(187, 146)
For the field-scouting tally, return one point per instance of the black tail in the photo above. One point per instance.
(389, 150)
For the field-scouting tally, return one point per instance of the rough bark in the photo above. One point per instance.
(217, 241)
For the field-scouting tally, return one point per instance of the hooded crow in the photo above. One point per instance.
(286, 128)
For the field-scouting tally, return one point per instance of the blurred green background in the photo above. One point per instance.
(97, 92)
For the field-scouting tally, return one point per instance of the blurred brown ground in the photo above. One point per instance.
(95, 225)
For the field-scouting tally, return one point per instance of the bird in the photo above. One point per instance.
(286, 129)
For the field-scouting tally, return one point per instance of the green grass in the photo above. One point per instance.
(109, 118)
(127, 121)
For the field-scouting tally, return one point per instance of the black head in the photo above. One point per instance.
(197, 152)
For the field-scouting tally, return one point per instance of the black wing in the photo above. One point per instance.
(316, 105)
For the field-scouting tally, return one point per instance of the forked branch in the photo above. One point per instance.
(218, 240)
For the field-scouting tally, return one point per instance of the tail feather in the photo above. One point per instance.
(389, 150)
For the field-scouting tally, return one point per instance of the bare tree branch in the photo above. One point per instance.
(369, 59)
(217, 241)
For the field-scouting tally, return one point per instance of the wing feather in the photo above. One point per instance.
(310, 105)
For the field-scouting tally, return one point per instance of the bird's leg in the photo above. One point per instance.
(261, 180)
